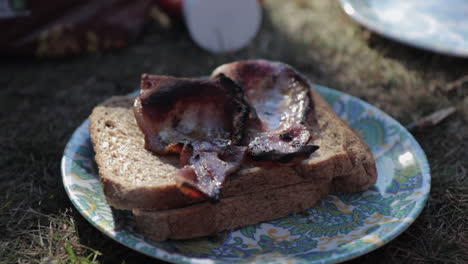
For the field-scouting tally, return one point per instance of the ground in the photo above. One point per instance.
(43, 100)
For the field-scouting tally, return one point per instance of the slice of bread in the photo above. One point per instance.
(133, 177)
(208, 218)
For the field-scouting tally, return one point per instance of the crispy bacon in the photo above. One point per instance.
(265, 110)
(200, 119)
(206, 167)
(284, 117)
(171, 111)
(286, 147)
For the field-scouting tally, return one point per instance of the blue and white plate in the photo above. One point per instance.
(436, 25)
(338, 228)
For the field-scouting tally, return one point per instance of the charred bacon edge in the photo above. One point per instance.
(160, 98)
(285, 158)
(159, 93)
(239, 71)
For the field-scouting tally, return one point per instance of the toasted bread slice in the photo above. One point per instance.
(133, 177)
(208, 218)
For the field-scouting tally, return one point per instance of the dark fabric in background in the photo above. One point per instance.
(59, 28)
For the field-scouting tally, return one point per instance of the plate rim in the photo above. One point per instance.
(179, 258)
(364, 21)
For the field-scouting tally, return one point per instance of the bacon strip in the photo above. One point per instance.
(286, 147)
(212, 123)
(206, 166)
(280, 127)
(200, 119)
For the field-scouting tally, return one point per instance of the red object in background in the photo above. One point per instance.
(172, 7)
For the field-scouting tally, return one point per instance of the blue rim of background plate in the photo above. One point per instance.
(397, 230)
(380, 29)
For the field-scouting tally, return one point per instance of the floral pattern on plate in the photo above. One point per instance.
(338, 228)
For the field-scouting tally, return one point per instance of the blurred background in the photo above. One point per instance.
(57, 62)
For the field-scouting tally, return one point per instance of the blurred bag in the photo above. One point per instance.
(57, 28)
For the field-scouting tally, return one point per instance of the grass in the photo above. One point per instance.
(43, 101)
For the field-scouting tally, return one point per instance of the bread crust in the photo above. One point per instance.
(343, 158)
(207, 218)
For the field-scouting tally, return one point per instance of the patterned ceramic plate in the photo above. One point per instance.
(338, 228)
(430, 24)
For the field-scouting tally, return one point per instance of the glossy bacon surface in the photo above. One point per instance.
(199, 119)
(284, 118)
(259, 109)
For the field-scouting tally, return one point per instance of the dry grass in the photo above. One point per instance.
(43, 101)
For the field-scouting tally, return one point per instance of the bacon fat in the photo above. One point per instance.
(259, 109)
(284, 118)
(202, 120)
